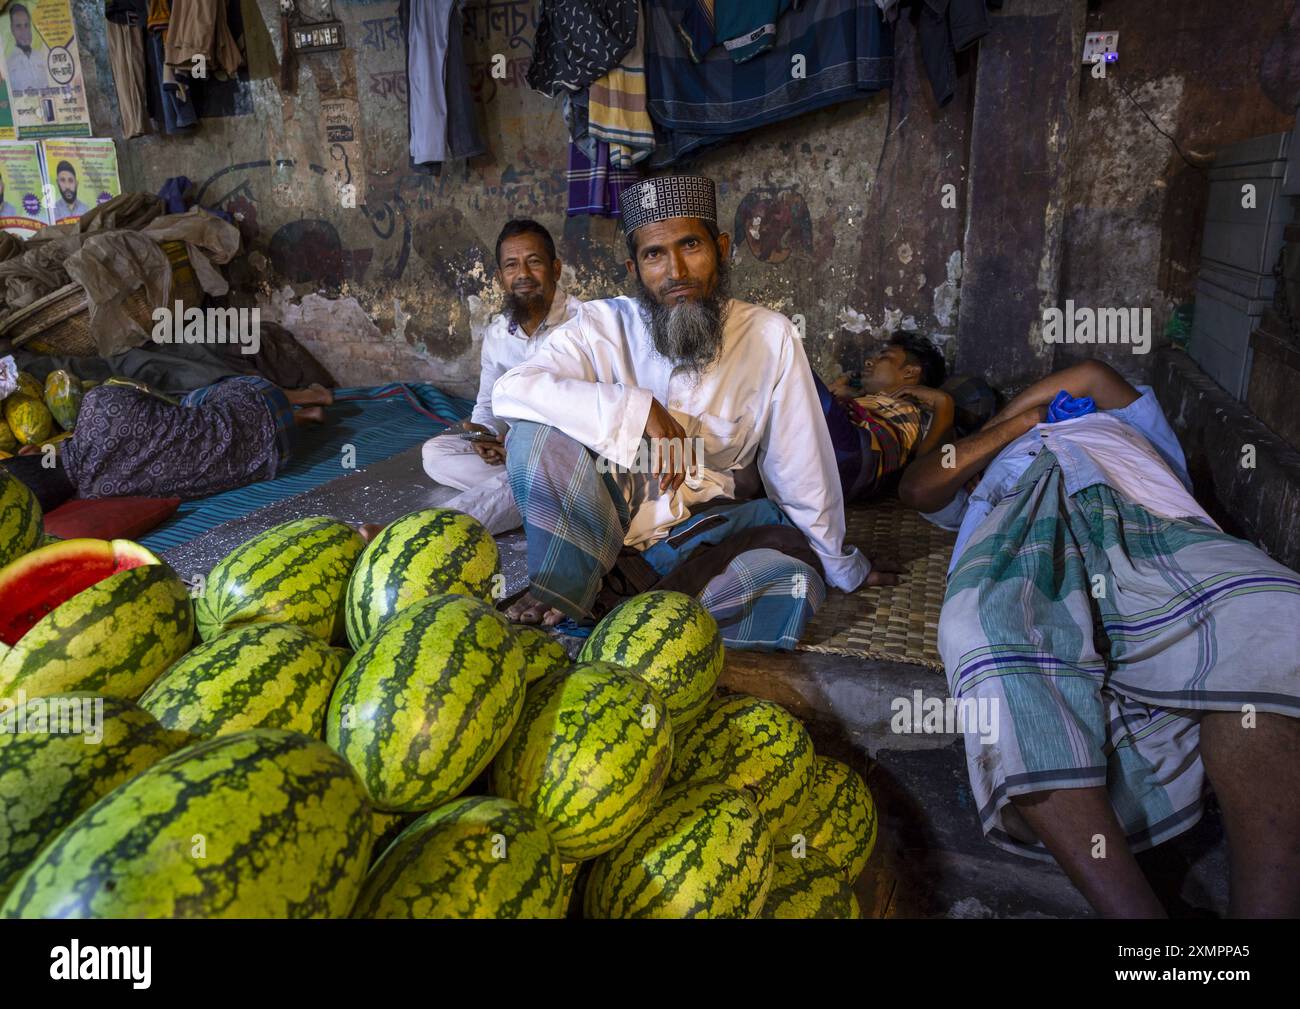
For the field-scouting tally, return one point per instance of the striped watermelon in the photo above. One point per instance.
(63, 395)
(750, 744)
(564, 902)
(669, 640)
(703, 852)
(59, 755)
(425, 553)
(543, 654)
(21, 528)
(261, 824)
(259, 676)
(811, 886)
(589, 755)
(90, 615)
(478, 857)
(384, 828)
(425, 704)
(838, 817)
(295, 573)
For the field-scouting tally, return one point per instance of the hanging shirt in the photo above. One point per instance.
(744, 28)
(616, 108)
(505, 345)
(597, 375)
(842, 49)
(578, 41)
(1132, 449)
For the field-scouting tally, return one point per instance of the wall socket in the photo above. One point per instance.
(1101, 45)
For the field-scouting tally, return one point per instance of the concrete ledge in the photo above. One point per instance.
(1260, 504)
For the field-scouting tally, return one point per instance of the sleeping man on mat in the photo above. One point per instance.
(1137, 655)
(681, 366)
(888, 415)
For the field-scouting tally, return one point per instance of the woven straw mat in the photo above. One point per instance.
(895, 622)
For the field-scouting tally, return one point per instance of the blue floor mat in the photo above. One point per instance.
(378, 421)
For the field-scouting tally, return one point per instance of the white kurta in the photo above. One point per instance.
(505, 347)
(595, 379)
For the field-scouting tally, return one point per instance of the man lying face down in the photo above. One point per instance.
(528, 271)
(890, 414)
(1133, 650)
(632, 385)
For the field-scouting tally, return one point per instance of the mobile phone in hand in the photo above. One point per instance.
(477, 436)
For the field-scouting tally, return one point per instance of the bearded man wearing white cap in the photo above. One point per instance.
(644, 432)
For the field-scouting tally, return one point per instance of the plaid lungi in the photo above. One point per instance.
(576, 517)
(1099, 632)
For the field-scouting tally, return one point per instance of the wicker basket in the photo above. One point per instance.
(59, 323)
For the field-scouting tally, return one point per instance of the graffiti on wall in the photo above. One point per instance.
(491, 31)
(774, 224)
(307, 249)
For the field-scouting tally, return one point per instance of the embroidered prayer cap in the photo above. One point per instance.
(668, 196)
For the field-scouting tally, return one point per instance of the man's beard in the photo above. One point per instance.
(522, 307)
(69, 196)
(688, 333)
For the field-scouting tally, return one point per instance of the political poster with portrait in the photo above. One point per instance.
(42, 69)
(22, 188)
(78, 175)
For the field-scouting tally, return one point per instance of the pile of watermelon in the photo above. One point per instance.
(334, 728)
(36, 414)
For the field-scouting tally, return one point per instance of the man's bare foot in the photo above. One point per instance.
(527, 610)
(314, 395)
(369, 530)
(883, 573)
(309, 415)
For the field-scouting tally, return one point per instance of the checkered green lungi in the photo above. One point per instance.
(1100, 631)
(575, 519)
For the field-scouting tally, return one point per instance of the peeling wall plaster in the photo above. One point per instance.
(401, 286)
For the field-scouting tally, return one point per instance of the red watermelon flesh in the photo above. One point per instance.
(38, 583)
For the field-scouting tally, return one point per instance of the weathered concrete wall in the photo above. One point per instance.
(1208, 75)
(1023, 108)
(401, 286)
(838, 216)
(1246, 476)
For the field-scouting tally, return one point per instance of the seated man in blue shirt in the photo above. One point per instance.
(1131, 654)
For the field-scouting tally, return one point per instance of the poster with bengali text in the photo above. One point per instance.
(79, 174)
(42, 69)
(22, 188)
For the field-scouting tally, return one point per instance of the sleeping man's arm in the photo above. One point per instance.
(928, 485)
(1107, 387)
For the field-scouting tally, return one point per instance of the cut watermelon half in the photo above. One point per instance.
(38, 583)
